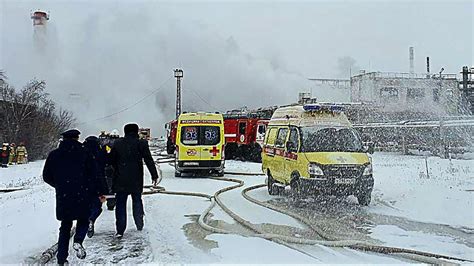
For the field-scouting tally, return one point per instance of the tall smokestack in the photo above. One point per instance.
(428, 65)
(412, 57)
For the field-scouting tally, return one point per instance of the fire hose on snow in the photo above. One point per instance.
(327, 240)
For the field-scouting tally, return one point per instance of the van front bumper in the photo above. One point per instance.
(185, 166)
(331, 186)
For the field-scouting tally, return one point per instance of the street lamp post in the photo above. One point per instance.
(178, 74)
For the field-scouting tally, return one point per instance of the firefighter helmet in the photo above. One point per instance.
(114, 133)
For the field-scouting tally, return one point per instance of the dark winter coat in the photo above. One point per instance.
(91, 144)
(71, 171)
(127, 158)
(4, 154)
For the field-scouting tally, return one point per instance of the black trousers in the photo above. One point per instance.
(96, 209)
(65, 234)
(121, 210)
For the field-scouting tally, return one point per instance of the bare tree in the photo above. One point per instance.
(30, 116)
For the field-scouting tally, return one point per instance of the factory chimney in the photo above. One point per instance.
(412, 57)
(427, 66)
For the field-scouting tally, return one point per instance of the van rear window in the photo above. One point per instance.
(200, 135)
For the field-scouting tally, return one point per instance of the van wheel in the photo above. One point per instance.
(364, 198)
(272, 190)
(177, 174)
(295, 184)
(220, 173)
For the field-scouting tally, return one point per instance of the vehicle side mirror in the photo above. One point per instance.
(370, 147)
(290, 146)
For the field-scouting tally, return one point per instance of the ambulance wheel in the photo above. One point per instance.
(177, 174)
(364, 198)
(220, 173)
(272, 189)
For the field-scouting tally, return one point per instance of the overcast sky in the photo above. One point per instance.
(99, 58)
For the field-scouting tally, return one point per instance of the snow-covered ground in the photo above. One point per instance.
(410, 209)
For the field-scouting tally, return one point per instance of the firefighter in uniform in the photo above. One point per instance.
(21, 154)
(4, 155)
(11, 156)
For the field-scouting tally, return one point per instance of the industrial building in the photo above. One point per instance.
(407, 95)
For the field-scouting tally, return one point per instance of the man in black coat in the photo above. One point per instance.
(127, 158)
(71, 171)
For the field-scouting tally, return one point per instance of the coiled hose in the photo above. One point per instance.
(329, 241)
(425, 257)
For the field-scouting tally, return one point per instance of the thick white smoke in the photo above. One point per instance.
(109, 58)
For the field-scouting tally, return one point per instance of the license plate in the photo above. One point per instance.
(344, 181)
(191, 164)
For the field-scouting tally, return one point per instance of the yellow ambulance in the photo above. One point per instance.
(314, 149)
(200, 144)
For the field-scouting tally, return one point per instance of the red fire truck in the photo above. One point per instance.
(171, 128)
(244, 133)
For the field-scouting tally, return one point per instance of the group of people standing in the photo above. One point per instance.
(11, 154)
(79, 173)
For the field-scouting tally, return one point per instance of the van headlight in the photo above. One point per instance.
(368, 170)
(314, 169)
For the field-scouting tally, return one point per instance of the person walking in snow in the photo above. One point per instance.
(127, 156)
(4, 155)
(97, 152)
(71, 171)
(109, 172)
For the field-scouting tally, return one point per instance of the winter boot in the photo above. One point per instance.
(80, 251)
(139, 224)
(63, 262)
(118, 236)
(90, 230)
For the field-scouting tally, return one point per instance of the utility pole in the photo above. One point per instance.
(178, 74)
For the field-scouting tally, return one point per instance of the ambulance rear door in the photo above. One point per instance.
(212, 140)
(189, 148)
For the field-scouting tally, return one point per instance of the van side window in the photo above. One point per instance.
(281, 137)
(294, 138)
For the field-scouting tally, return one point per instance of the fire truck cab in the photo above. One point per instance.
(200, 144)
(245, 132)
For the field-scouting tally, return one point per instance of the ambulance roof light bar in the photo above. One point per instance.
(319, 107)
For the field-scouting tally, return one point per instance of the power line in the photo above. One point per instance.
(130, 106)
(194, 92)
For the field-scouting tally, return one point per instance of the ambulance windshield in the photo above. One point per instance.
(317, 139)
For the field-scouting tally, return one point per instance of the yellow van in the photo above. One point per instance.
(200, 144)
(313, 148)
